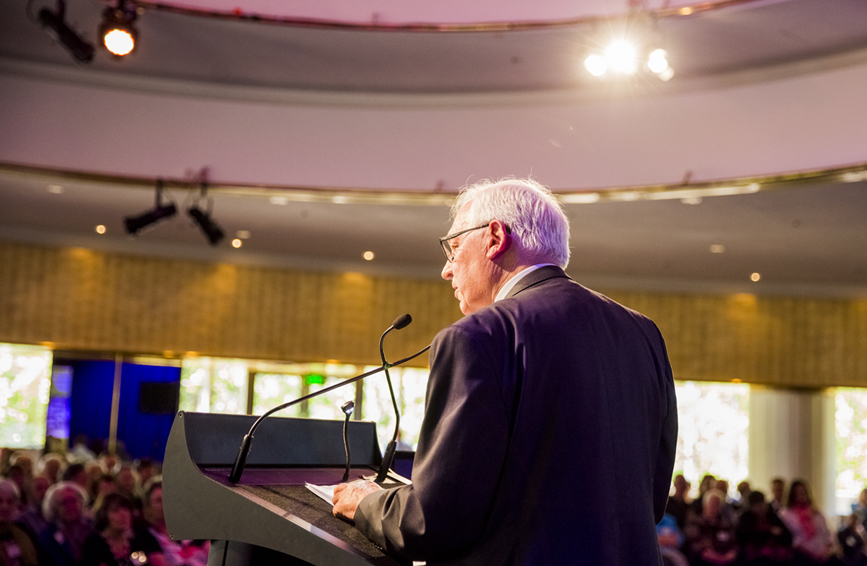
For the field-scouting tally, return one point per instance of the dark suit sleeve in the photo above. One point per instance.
(461, 450)
(668, 437)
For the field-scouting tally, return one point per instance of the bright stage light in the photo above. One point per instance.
(620, 56)
(119, 42)
(657, 62)
(595, 64)
(117, 30)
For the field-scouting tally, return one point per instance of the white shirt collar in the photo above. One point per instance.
(510, 284)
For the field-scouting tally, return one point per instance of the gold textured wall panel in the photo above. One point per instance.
(88, 300)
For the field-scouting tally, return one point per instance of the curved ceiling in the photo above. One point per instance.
(756, 35)
(809, 239)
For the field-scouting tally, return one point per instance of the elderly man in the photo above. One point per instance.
(550, 421)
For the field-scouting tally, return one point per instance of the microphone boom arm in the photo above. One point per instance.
(246, 444)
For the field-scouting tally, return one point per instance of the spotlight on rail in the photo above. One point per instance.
(135, 224)
(117, 30)
(54, 24)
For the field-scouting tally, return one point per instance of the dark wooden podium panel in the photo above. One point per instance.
(269, 507)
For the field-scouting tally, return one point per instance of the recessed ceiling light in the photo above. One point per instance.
(100, 229)
(755, 277)
(717, 248)
(236, 243)
(368, 256)
(282, 201)
(55, 189)
(243, 234)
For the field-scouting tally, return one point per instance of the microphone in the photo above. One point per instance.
(247, 443)
(400, 322)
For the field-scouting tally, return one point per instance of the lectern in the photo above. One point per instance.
(269, 516)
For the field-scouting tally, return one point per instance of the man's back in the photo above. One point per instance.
(549, 436)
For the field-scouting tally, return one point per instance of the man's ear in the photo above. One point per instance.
(498, 240)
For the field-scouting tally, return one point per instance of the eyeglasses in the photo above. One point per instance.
(447, 247)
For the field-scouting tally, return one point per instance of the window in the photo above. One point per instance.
(25, 382)
(713, 431)
(851, 449)
(214, 385)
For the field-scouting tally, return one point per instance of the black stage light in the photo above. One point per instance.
(116, 30)
(57, 28)
(206, 223)
(135, 224)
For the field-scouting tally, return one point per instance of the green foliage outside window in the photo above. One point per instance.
(25, 381)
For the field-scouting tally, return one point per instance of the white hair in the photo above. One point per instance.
(535, 217)
(52, 498)
(11, 486)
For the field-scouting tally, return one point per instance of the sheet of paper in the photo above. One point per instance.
(326, 492)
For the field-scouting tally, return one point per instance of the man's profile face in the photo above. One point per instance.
(469, 271)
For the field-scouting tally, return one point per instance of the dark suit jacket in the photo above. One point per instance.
(548, 438)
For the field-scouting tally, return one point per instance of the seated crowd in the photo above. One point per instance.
(81, 510)
(714, 530)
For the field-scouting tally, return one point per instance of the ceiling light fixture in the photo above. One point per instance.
(135, 224)
(203, 217)
(117, 30)
(56, 27)
(631, 45)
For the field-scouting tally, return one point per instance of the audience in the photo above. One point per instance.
(670, 540)
(710, 536)
(778, 488)
(811, 538)
(47, 519)
(762, 536)
(852, 541)
(677, 505)
(62, 540)
(114, 543)
(16, 545)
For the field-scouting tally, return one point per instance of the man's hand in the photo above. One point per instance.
(347, 496)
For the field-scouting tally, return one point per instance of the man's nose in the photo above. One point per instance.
(447, 271)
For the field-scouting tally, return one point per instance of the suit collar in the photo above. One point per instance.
(536, 277)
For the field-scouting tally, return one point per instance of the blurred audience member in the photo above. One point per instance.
(707, 482)
(80, 452)
(778, 488)
(670, 540)
(61, 541)
(50, 466)
(16, 474)
(710, 537)
(114, 543)
(100, 487)
(810, 535)
(146, 469)
(727, 508)
(31, 516)
(128, 486)
(859, 508)
(762, 536)
(17, 548)
(109, 462)
(176, 553)
(76, 473)
(743, 493)
(852, 542)
(677, 505)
